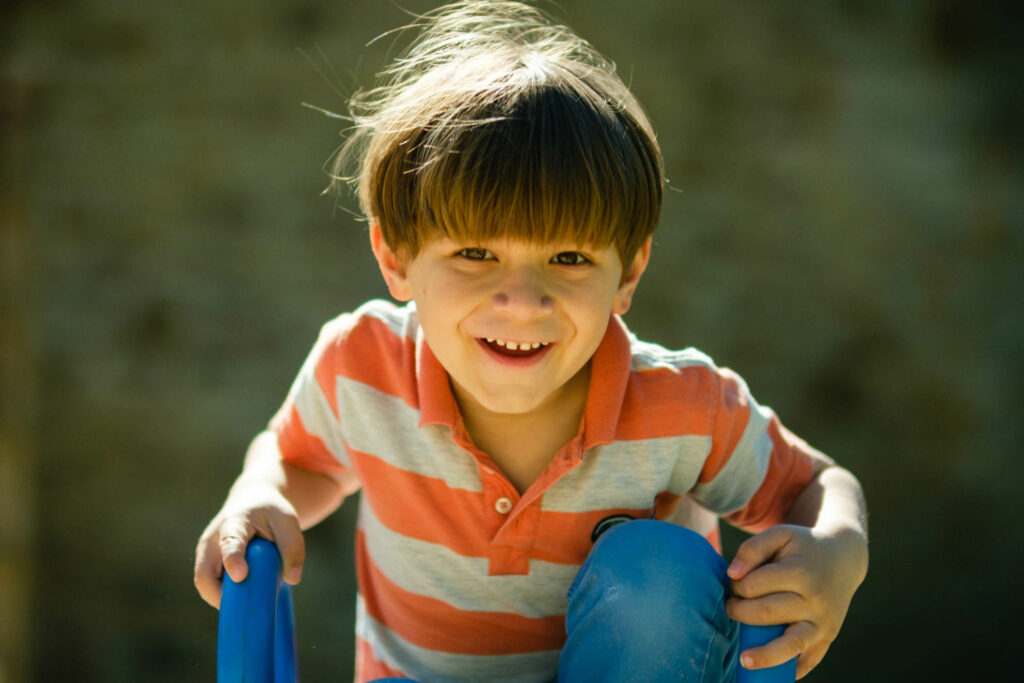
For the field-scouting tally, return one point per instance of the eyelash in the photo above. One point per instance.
(481, 254)
(578, 258)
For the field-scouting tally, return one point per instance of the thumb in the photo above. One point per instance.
(757, 550)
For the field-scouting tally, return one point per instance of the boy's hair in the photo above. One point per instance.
(499, 122)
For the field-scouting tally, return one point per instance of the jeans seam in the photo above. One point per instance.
(707, 653)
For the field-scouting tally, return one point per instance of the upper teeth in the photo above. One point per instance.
(513, 346)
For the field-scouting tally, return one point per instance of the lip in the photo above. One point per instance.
(515, 361)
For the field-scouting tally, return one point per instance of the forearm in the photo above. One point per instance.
(833, 505)
(313, 495)
(832, 501)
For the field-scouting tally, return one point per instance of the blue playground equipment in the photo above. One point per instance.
(256, 633)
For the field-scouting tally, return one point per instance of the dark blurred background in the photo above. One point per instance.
(844, 226)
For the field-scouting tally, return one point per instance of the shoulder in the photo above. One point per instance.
(646, 356)
(670, 391)
(375, 335)
(690, 371)
(376, 318)
(687, 367)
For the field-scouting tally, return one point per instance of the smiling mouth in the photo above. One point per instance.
(514, 349)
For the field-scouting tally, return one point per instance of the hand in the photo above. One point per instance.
(798, 576)
(251, 509)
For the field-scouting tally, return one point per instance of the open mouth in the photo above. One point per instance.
(515, 349)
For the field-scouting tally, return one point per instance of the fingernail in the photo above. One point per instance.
(747, 661)
(735, 568)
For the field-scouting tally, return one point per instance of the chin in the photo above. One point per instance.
(507, 405)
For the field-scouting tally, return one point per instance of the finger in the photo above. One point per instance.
(234, 536)
(777, 608)
(774, 577)
(790, 644)
(292, 546)
(208, 570)
(811, 658)
(757, 550)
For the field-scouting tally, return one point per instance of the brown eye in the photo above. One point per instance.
(569, 258)
(476, 254)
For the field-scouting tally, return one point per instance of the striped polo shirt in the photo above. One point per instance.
(461, 578)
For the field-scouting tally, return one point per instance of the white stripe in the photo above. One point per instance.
(648, 356)
(401, 320)
(310, 401)
(434, 571)
(443, 667)
(629, 474)
(691, 515)
(745, 469)
(307, 394)
(385, 426)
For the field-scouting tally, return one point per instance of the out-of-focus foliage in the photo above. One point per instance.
(844, 226)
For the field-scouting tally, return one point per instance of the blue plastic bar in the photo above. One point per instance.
(255, 632)
(752, 636)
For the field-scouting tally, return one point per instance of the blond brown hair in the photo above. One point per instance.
(499, 122)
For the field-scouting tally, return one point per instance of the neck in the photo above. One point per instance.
(538, 432)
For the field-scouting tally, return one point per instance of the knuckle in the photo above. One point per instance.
(763, 611)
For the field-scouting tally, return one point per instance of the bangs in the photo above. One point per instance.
(550, 161)
(499, 123)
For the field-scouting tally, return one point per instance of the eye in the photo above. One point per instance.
(475, 254)
(569, 258)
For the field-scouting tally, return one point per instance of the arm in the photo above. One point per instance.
(805, 572)
(271, 499)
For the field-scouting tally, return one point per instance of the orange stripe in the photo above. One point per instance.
(664, 402)
(436, 625)
(565, 537)
(299, 447)
(665, 503)
(372, 354)
(730, 422)
(790, 470)
(368, 667)
(429, 510)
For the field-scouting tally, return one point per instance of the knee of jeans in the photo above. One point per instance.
(655, 566)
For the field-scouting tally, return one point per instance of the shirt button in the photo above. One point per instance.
(503, 505)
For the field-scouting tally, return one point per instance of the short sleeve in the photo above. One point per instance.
(308, 427)
(756, 467)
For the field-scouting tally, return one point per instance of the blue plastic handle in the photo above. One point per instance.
(255, 631)
(752, 636)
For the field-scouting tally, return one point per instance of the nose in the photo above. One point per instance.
(521, 293)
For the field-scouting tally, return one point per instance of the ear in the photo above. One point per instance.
(392, 265)
(631, 277)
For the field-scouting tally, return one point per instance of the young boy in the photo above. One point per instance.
(505, 427)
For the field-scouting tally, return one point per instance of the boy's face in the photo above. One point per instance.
(476, 300)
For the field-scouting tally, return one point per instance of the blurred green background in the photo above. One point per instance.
(844, 226)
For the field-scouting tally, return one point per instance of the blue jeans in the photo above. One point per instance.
(649, 605)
